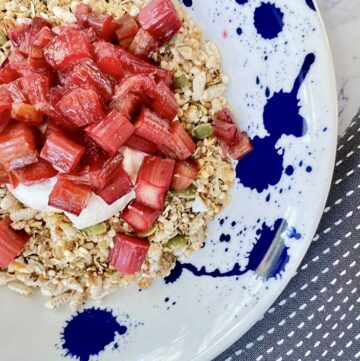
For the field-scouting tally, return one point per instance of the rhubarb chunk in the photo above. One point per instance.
(69, 47)
(4, 176)
(37, 88)
(160, 19)
(18, 146)
(5, 107)
(35, 173)
(81, 107)
(11, 243)
(36, 49)
(69, 197)
(112, 132)
(7, 75)
(164, 104)
(153, 181)
(102, 172)
(143, 44)
(185, 173)
(82, 12)
(128, 254)
(63, 153)
(127, 30)
(102, 24)
(119, 185)
(141, 144)
(140, 217)
(107, 60)
(26, 113)
(179, 145)
(132, 64)
(241, 148)
(150, 127)
(86, 74)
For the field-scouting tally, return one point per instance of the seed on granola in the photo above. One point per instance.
(176, 243)
(203, 131)
(181, 82)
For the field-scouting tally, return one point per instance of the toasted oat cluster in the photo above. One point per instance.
(70, 266)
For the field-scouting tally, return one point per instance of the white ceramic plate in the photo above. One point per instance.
(282, 89)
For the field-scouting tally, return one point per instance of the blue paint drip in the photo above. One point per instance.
(188, 3)
(268, 20)
(265, 238)
(310, 4)
(89, 332)
(225, 238)
(264, 166)
(294, 234)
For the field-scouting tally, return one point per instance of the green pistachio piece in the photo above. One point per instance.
(203, 131)
(177, 243)
(149, 233)
(188, 194)
(181, 82)
(95, 230)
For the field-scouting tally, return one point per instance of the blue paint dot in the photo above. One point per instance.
(241, 2)
(221, 221)
(294, 234)
(301, 163)
(239, 31)
(325, 129)
(225, 238)
(268, 20)
(310, 4)
(267, 92)
(309, 169)
(89, 332)
(188, 3)
(257, 80)
(289, 170)
(268, 198)
(167, 299)
(233, 224)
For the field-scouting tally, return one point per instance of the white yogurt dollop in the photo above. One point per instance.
(97, 210)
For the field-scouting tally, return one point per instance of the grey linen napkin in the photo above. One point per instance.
(317, 317)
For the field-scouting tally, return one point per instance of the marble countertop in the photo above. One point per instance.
(342, 21)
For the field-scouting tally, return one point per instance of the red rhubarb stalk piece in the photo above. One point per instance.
(102, 171)
(128, 254)
(133, 65)
(35, 173)
(112, 132)
(69, 197)
(86, 74)
(153, 181)
(141, 144)
(126, 31)
(179, 145)
(164, 104)
(102, 24)
(37, 88)
(141, 218)
(18, 146)
(151, 127)
(81, 107)
(7, 75)
(143, 44)
(5, 107)
(11, 243)
(82, 12)
(160, 19)
(164, 75)
(107, 60)
(63, 153)
(119, 185)
(26, 113)
(185, 173)
(241, 148)
(69, 47)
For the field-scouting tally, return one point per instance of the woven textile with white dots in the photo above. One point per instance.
(317, 317)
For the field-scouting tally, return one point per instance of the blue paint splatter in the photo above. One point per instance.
(188, 3)
(239, 31)
(309, 169)
(310, 4)
(268, 20)
(89, 332)
(269, 247)
(225, 238)
(241, 2)
(289, 170)
(294, 234)
(221, 221)
(264, 166)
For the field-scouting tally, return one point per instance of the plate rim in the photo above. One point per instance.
(245, 324)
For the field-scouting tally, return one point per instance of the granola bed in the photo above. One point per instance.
(65, 263)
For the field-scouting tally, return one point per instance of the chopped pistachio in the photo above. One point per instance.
(203, 131)
(189, 193)
(149, 233)
(96, 229)
(181, 82)
(177, 243)
(201, 109)
(3, 38)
